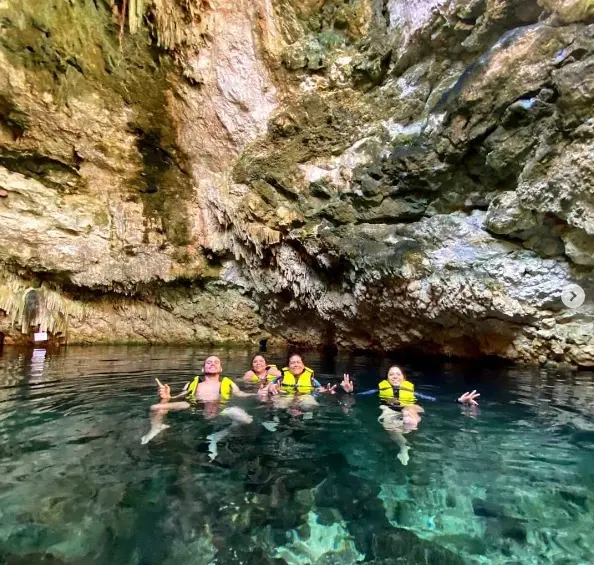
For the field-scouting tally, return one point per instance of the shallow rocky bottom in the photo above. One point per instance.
(508, 483)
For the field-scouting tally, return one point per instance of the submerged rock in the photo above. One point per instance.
(31, 559)
(487, 509)
(325, 544)
(506, 527)
(403, 546)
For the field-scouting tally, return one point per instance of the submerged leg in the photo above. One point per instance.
(306, 404)
(392, 423)
(238, 416)
(270, 426)
(403, 445)
(158, 412)
(214, 438)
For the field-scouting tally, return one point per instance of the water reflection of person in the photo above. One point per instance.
(261, 371)
(211, 389)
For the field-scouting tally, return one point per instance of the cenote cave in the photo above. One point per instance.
(296, 282)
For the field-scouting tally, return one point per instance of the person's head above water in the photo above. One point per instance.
(259, 364)
(395, 376)
(296, 365)
(212, 366)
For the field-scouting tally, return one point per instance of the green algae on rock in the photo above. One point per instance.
(396, 174)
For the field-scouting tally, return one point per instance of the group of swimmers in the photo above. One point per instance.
(293, 388)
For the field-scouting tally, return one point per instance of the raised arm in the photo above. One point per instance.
(346, 384)
(249, 375)
(165, 392)
(158, 411)
(469, 398)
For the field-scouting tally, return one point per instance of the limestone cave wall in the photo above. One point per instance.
(375, 174)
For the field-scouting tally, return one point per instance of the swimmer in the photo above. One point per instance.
(395, 386)
(395, 381)
(261, 371)
(296, 377)
(296, 386)
(399, 412)
(209, 389)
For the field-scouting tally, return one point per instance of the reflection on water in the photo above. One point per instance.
(511, 482)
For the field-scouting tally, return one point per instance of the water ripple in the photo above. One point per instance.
(506, 483)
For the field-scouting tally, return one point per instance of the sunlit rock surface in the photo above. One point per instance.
(377, 175)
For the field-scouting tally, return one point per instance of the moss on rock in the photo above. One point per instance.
(75, 49)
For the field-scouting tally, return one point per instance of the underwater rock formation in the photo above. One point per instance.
(368, 174)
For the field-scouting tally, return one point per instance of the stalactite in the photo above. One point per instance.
(177, 23)
(135, 14)
(31, 307)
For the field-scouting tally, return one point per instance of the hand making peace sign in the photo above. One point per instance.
(346, 384)
(164, 391)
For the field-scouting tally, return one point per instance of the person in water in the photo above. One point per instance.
(294, 388)
(211, 389)
(212, 386)
(395, 381)
(395, 386)
(400, 414)
(395, 391)
(261, 371)
(296, 377)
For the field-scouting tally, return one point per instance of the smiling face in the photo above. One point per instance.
(395, 376)
(258, 364)
(212, 365)
(296, 365)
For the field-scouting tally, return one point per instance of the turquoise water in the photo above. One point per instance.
(509, 483)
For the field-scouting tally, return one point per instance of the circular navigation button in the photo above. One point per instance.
(573, 296)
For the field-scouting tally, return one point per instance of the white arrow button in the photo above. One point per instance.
(573, 296)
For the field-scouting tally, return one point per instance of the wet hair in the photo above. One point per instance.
(295, 355)
(392, 367)
(258, 355)
(208, 357)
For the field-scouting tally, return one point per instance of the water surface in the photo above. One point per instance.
(509, 483)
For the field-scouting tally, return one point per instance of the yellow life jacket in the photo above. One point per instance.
(256, 378)
(225, 388)
(304, 383)
(405, 392)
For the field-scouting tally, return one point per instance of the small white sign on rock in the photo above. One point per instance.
(40, 336)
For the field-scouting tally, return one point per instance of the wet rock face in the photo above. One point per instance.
(429, 214)
(102, 152)
(363, 174)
